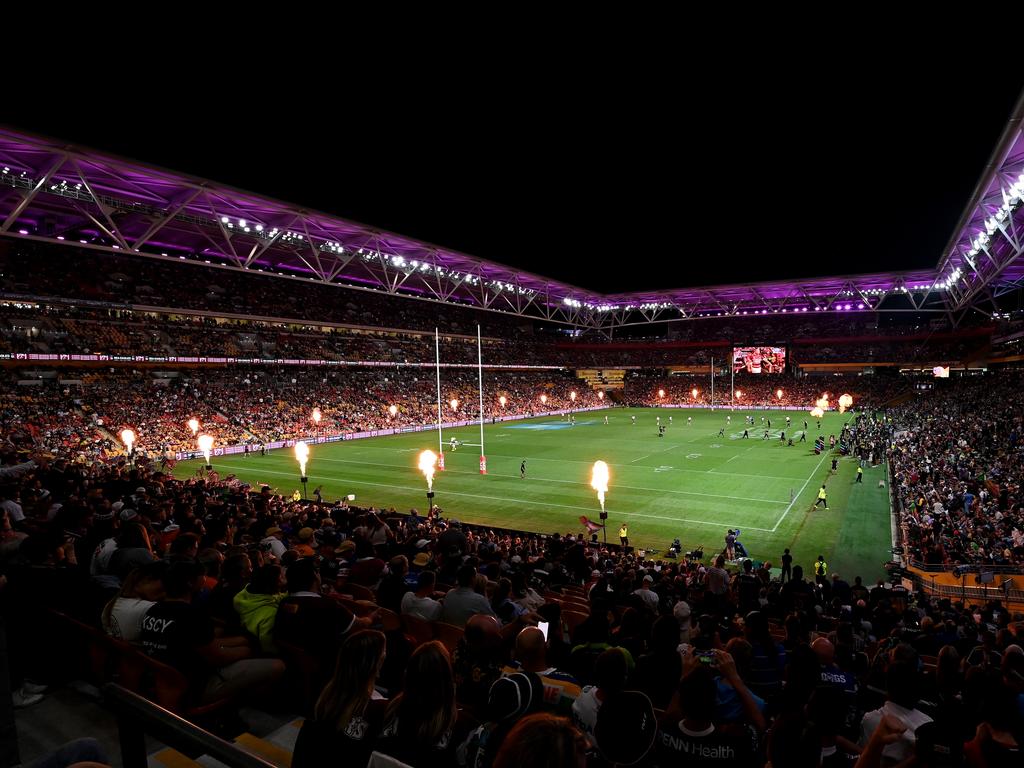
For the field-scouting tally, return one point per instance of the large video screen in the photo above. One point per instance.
(759, 359)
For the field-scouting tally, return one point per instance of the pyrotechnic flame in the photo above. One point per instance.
(778, 394)
(661, 393)
(739, 393)
(694, 392)
(845, 401)
(393, 410)
(543, 398)
(128, 438)
(428, 460)
(205, 445)
(502, 401)
(600, 395)
(193, 424)
(317, 415)
(572, 396)
(599, 481)
(817, 412)
(302, 456)
(454, 403)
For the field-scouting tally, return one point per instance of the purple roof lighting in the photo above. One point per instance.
(988, 241)
(51, 191)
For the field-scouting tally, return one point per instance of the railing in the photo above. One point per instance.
(138, 717)
(1015, 570)
(984, 593)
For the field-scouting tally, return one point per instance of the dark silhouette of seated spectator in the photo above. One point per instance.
(179, 634)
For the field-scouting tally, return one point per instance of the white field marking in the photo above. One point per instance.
(824, 456)
(535, 503)
(561, 482)
(653, 453)
(517, 457)
(736, 456)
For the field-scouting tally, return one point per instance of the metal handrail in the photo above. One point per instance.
(137, 717)
(967, 568)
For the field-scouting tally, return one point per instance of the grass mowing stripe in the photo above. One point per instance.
(563, 482)
(524, 501)
(662, 500)
(797, 496)
(517, 456)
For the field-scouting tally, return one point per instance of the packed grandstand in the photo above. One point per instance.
(405, 635)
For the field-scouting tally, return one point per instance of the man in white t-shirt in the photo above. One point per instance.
(421, 603)
(610, 671)
(275, 538)
(901, 703)
(648, 595)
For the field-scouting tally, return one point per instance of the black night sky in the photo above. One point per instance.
(625, 182)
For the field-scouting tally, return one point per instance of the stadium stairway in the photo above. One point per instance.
(605, 378)
(275, 748)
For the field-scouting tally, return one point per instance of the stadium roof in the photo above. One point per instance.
(54, 192)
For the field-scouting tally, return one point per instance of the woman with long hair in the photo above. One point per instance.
(420, 720)
(348, 715)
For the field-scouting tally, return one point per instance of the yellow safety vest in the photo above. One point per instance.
(622, 532)
(821, 493)
(821, 568)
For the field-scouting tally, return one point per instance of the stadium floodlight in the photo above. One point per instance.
(224, 220)
(259, 227)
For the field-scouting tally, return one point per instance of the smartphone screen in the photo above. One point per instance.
(543, 626)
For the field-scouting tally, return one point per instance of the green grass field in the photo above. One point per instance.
(691, 483)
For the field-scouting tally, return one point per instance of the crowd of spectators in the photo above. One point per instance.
(642, 660)
(957, 462)
(82, 409)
